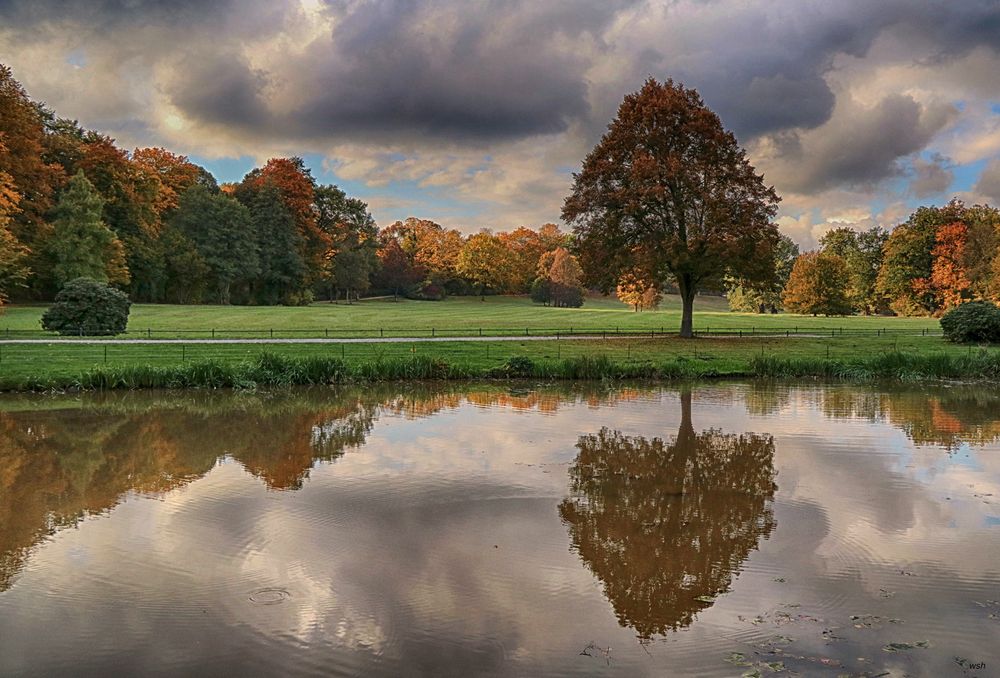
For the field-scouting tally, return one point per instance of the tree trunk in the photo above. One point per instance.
(686, 287)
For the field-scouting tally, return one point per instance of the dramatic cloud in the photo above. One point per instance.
(989, 181)
(931, 177)
(478, 113)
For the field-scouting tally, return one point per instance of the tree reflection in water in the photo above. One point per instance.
(665, 525)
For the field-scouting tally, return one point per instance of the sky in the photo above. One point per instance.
(475, 113)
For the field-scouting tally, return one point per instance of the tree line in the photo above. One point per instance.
(939, 258)
(159, 227)
(667, 200)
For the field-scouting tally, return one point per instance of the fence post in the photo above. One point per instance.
(213, 333)
(149, 333)
(105, 354)
(272, 333)
(432, 331)
(183, 354)
(326, 332)
(525, 331)
(380, 332)
(480, 331)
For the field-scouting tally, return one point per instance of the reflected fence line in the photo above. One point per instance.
(471, 332)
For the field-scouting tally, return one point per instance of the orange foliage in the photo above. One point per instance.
(297, 189)
(175, 173)
(949, 280)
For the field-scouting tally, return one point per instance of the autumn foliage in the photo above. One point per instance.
(817, 285)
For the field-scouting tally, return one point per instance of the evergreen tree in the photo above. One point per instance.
(82, 246)
(283, 272)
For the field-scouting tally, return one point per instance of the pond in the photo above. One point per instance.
(526, 530)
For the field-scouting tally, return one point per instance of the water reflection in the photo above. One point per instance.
(665, 525)
(435, 530)
(62, 459)
(947, 417)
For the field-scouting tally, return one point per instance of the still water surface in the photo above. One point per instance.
(717, 530)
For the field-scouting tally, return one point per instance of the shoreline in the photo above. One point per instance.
(269, 369)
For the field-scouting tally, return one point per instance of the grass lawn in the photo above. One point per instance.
(455, 316)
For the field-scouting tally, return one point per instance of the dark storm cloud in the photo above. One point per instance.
(427, 74)
(224, 90)
(408, 69)
(113, 15)
(764, 71)
(861, 146)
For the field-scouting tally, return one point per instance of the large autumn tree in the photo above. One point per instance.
(669, 190)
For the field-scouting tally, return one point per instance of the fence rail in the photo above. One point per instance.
(435, 332)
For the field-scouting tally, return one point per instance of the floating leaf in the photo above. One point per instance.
(706, 599)
(737, 658)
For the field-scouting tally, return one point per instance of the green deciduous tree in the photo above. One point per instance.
(222, 231)
(765, 296)
(862, 252)
(908, 259)
(668, 190)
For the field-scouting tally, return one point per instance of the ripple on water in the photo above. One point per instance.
(269, 595)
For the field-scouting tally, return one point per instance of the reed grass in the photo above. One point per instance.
(272, 369)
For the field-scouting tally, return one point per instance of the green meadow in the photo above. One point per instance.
(456, 316)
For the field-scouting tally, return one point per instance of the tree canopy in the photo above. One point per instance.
(670, 192)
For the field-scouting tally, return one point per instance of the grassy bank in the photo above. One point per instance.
(452, 317)
(61, 366)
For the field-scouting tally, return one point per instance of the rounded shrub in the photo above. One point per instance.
(974, 322)
(86, 307)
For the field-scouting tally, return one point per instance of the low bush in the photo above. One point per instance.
(974, 322)
(87, 307)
